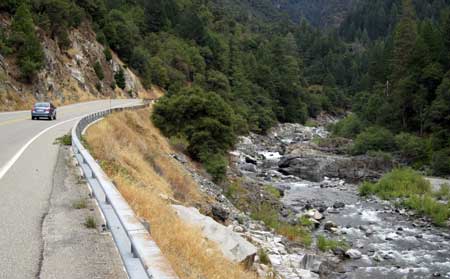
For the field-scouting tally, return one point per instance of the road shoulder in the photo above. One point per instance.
(71, 249)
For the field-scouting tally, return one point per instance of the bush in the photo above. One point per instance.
(427, 205)
(119, 77)
(99, 70)
(375, 139)
(204, 119)
(443, 193)
(440, 162)
(325, 244)
(367, 189)
(412, 148)
(396, 184)
(108, 54)
(349, 127)
(216, 166)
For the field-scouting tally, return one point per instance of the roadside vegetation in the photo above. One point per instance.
(135, 155)
(412, 191)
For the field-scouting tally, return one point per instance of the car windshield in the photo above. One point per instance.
(42, 105)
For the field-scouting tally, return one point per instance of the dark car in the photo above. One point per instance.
(46, 110)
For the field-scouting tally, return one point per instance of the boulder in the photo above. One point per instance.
(311, 262)
(249, 168)
(330, 226)
(315, 214)
(251, 160)
(232, 245)
(314, 166)
(219, 213)
(353, 254)
(338, 205)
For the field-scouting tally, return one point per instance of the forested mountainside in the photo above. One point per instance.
(406, 83)
(42, 57)
(320, 13)
(229, 67)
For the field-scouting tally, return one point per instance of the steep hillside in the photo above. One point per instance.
(67, 75)
(321, 13)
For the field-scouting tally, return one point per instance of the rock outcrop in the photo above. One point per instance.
(68, 74)
(316, 166)
(232, 245)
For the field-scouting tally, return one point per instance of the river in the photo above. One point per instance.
(393, 242)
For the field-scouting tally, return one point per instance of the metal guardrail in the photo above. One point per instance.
(141, 256)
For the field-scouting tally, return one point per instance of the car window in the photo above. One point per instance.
(42, 105)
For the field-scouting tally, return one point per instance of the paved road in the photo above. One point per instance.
(27, 162)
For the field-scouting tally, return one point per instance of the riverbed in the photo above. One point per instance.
(392, 242)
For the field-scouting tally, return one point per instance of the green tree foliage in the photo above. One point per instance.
(374, 139)
(349, 127)
(204, 119)
(23, 39)
(99, 70)
(119, 77)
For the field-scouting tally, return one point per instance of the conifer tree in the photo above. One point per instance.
(23, 38)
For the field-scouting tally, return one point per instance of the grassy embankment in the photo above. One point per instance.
(414, 192)
(135, 155)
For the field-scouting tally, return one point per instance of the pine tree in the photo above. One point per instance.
(120, 79)
(30, 56)
(405, 36)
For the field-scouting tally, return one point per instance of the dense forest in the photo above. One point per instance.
(230, 67)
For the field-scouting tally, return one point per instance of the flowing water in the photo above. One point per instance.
(394, 243)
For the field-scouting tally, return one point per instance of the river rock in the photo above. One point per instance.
(219, 213)
(338, 205)
(314, 166)
(330, 226)
(315, 214)
(353, 254)
(249, 168)
(232, 245)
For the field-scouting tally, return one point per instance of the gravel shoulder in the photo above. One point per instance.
(71, 250)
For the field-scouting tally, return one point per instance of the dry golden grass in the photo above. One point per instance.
(12, 101)
(135, 155)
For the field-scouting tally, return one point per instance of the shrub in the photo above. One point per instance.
(204, 119)
(99, 70)
(375, 139)
(367, 189)
(411, 148)
(216, 166)
(119, 77)
(349, 127)
(325, 244)
(274, 192)
(263, 257)
(396, 184)
(440, 162)
(427, 205)
(108, 54)
(443, 193)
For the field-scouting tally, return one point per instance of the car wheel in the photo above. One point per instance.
(32, 117)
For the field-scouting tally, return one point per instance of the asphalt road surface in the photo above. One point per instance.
(28, 158)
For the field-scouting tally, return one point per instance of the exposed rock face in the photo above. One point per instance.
(233, 246)
(68, 74)
(316, 166)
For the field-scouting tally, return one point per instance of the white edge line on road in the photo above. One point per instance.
(16, 157)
